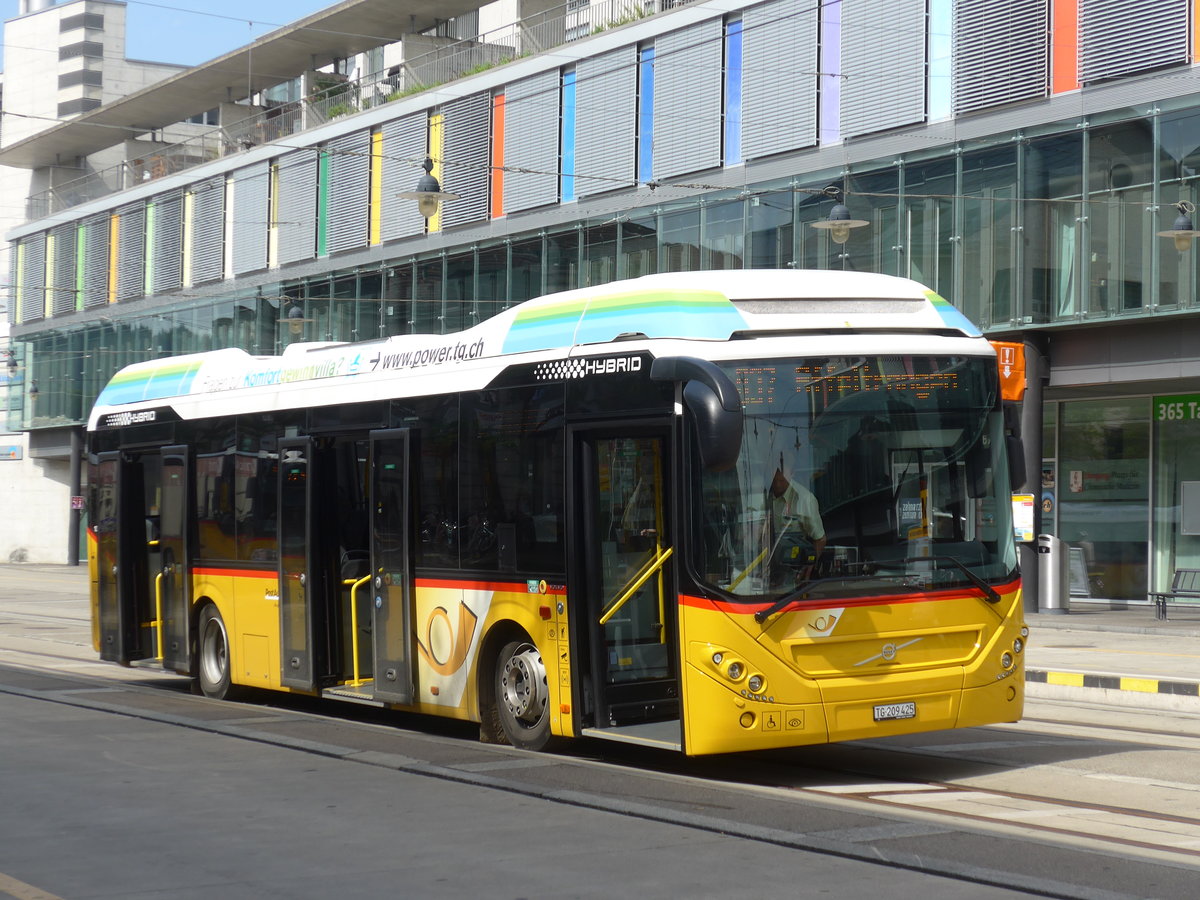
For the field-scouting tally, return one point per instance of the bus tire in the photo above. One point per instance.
(522, 695)
(213, 662)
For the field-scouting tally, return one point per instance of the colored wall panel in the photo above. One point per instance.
(497, 198)
(1064, 42)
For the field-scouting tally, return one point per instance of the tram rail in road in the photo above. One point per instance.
(1065, 808)
(1025, 843)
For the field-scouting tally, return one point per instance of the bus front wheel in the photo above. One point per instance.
(523, 696)
(213, 644)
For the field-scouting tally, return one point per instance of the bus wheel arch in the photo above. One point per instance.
(214, 664)
(514, 692)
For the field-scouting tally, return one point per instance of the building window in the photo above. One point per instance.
(87, 49)
(94, 21)
(85, 77)
(1104, 491)
(75, 107)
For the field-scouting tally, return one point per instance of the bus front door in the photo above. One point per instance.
(622, 566)
(391, 573)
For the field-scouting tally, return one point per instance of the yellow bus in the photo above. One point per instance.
(709, 511)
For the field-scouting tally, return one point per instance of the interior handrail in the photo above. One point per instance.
(158, 617)
(652, 565)
(354, 586)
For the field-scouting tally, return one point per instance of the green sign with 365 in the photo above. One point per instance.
(1177, 408)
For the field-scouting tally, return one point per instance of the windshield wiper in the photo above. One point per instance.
(989, 593)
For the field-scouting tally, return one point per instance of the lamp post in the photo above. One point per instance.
(429, 193)
(840, 221)
(1183, 232)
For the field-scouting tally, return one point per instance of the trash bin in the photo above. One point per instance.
(1054, 575)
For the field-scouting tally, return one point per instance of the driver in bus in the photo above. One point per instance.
(797, 535)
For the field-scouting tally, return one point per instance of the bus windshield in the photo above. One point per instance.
(859, 475)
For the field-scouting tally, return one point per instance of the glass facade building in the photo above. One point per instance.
(1017, 156)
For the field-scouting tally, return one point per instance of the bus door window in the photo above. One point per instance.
(631, 525)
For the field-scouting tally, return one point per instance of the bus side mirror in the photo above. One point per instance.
(716, 409)
(1016, 461)
(1013, 444)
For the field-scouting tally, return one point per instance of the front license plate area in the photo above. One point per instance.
(887, 711)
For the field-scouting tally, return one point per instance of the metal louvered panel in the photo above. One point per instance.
(1117, 37)
(467, 163)
(779, 80)
(33, 277)
(168, 243)
(531, 111)
(250, 193)
(296, 209)
(883, 59)
(208, 231)
(405, 144)
(605, 125)
(95, 261)
(131, 252)
(688, 74)
(62, 279)
(1001, 52)
(349, 190)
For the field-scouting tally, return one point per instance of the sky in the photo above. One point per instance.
(189, 32)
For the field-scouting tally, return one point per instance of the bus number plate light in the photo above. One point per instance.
(886, 711)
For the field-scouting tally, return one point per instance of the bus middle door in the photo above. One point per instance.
(391, 568)
(301, 595)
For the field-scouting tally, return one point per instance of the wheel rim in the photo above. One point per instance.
(214, 660)
(523, 685)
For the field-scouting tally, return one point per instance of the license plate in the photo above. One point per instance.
(887, 711)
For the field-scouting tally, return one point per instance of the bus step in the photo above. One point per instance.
(665, 735)
(363, 693)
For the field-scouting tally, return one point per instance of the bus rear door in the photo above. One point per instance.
(127, 500)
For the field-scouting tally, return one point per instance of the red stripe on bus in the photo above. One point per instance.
(517, 587)
(728, 606)
(235, 573)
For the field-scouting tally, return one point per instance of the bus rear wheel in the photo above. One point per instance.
(523, 695)
(213, 667)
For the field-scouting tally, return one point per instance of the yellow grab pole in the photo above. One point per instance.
(158, 580)
(354, 586)
(655, 565)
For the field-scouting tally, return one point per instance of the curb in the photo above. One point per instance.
(1119, 690)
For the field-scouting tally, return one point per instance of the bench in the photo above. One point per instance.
(1185, 589)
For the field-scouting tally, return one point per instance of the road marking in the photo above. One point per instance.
(22, 891)
(879, 787)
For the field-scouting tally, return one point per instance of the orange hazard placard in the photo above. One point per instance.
(1010, 358)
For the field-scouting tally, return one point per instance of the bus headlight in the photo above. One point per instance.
(1006, 660)
(735, 671)
(717, 658)
(756, 684)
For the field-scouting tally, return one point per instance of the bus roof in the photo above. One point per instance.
(704, 306)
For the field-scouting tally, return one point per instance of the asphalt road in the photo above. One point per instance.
(120, 783)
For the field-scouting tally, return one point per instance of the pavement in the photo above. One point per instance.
(1124, 656)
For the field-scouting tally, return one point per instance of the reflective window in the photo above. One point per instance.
(1103, 494)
